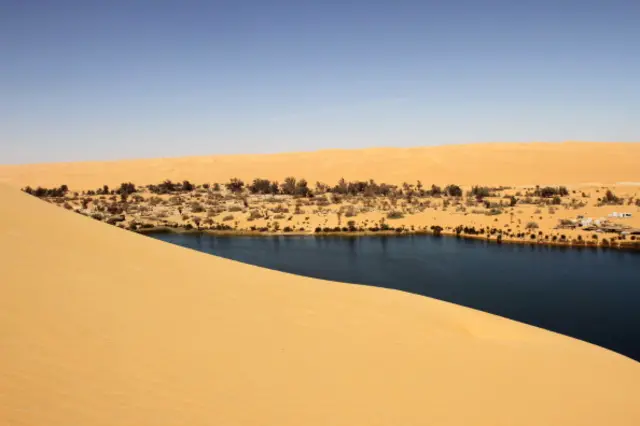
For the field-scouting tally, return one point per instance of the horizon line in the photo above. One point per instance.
(460, 144)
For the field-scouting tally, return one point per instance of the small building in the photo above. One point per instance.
(620, 215)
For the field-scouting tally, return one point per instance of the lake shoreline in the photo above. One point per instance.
(624, 245)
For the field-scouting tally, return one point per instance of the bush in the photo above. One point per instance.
(548, 192)
(227, 218)
(260, 186)
(254, 214)
(235, 185)
(196, 207)
(187, 186)
(44, 192)
(394, 214)
(350, 212)
(610, 198)
(480, 192)
(453, 191)
(531, 225)
(436, 191)
(235, 209)
(288, 187)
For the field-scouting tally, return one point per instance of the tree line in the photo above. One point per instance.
(300, 188)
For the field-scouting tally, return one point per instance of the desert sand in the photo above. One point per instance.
(100, 326)
(516, 164)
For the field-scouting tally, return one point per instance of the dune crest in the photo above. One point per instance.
(99, 326)
(485, 164)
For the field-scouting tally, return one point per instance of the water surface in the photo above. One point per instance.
(590, 294)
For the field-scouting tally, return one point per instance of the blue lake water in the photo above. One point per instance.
(590, 294)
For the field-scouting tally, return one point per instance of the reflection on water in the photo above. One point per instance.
(591, 294)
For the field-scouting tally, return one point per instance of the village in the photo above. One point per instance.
(601, 224)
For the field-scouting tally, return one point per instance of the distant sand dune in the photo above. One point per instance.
(100, 326)
(488, 164)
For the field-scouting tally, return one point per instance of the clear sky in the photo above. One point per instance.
(86, 79)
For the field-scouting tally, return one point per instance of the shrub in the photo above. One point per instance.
(235, 185)
(610, 198)
(44, 192)
(254, 214)
(302, 188)
(394, 214)
(196, 207)
(480, 192)
(187, 186)
(322, 201)
(235, 209)
(531, 225)
(548, 192)
(288, 187)
(453, 191)
(436, 191)
(260, 186)
(280, 209)
(165, 187)
(227, 218)
(126, 188)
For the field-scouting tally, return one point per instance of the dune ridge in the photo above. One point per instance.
(486, 164)
(100, 326)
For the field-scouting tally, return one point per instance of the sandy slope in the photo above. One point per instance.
(487, 164)
(100, 326)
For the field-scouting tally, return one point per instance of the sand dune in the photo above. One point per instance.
(100, 326)
(486, 164)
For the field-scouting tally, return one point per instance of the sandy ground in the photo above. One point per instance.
(567, 163)
(533, 219)
(588, 170)
(100, 326)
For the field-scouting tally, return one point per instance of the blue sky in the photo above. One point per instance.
(82, 80)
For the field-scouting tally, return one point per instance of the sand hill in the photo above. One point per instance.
(487, 164)
(100, 326)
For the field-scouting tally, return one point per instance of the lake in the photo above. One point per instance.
(590, 294)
